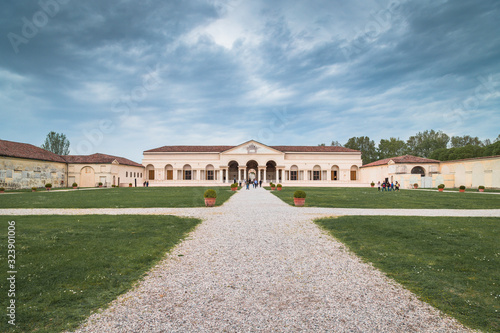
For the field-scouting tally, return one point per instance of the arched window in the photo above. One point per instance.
(354, 172)
(169, 172)
(335, 172)
(186, 170)
(418, 170)
(294, 173)
(317, 172)
(209, 172)
(150, 172)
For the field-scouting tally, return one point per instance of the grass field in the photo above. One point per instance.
(69, 266)
(128, 197)
(451, 263)
(344, 197)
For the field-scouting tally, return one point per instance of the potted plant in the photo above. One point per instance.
(210, 197)
(234, 186)
(279, 186)
(100, 184)
(75, 186)
(440, 187)
(48, 186)
(481, 188)
(129, 184)
(2, 190)
(299, 198)
(372, 184)
(273, 186)
(33, 189)
(461, 188)
(415, 185)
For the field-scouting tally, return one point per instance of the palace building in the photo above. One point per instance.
(220, 165)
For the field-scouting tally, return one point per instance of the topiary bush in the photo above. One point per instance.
(233, 185)
(75, 185)
(299, 194)
(272, 184)
(279, 185)
(481, 187)
(462, 187)
(49, 185)
(210, 194)
(441, 186)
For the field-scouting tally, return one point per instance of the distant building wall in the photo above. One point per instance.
(19, 173)
(90, 175)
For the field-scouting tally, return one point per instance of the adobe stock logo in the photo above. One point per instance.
(30, 28)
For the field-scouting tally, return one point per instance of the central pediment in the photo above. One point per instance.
(252, 147)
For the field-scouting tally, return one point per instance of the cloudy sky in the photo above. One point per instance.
(121, 77)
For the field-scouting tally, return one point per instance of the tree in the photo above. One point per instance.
(462, 141)
(365, 145)
(423, 144)
(56, 143)
(322, 145)
(336, 143)
(391, 148)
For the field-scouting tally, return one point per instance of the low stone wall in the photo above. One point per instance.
(17, 173)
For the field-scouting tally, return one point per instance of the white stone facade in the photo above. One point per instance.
(290, 165)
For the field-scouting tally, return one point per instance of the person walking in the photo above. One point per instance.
(260, 183)
(247, 184)
(378, 184)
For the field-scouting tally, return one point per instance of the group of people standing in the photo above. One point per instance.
(388, 186)
(249, 182)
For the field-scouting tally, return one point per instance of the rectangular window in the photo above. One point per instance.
(210, 174)
(170, 174)
(334, 175)
(316, 175)
(187, 174)
(293, 175)
(126, 173)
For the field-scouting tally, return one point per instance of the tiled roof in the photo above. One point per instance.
(25, 150)
(314, 149)
(99, 159)
(401, 159)
(220, 149)
(190, 149)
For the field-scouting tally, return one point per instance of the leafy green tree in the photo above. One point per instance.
(391, 148)
(322, 145)
(336, 143)
(56, 143)
(462, 141)
(424, 143)
(365, 145)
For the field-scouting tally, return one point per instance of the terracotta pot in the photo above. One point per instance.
(299, 202)
(33, 190)
(100, 185)
(48, 188)
(130, 186)
(461, 191)
(2, 191)
(209, 202)
(440, 189)
(415, 186)
(273, 188)
(279, 188)
(481, 190)
(234, 188)
(373, 185)
(74, 187)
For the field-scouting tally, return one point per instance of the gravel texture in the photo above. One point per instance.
(258, 265)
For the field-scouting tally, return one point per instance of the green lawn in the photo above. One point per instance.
(351, 197)
(69, 266)
(124, 197)
(451, 263)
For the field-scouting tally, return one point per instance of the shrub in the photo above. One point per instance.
(279, 185)
(233, 185)
(481, 187)
(441, 186)
(372, 184)
(210, 194)
(2, 189)
(272, 185)
(129, 184)
(74, 185)
(415, 185)
(462, 187)
(49, 185)
(33, 188)
(299, 194)
(100, 184)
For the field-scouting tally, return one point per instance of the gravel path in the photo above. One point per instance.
(256, 264)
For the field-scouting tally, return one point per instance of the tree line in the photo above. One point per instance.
(429, 144)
